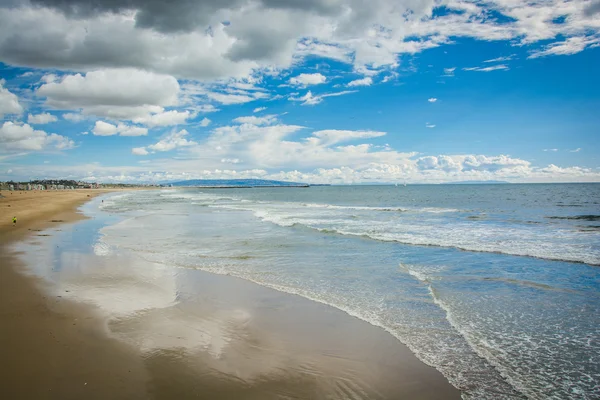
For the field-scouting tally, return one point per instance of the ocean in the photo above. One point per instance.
(496, 286)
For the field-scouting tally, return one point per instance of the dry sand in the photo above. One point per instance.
(53, 348)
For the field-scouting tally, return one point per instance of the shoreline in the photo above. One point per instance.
(42, 327)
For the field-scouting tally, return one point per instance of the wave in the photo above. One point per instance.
(383, 209)
(457, 238)
(515, 390)
(578, 217)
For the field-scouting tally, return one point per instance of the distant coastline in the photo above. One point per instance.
(235, 184)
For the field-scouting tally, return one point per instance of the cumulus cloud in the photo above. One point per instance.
(9, 102)
(259, 109)
(205, 122)
(40, 119)
(340, 175)
(117, 94)
(432, 100)
(111, 87)
(592, 8)
(366, 81)
(171, 141)
(269, 146)
(164, 118)
(188, 39)
(264, 120)
(102, 128)
(73, 117)
(308, 79)
(16, 137)
(139, 151)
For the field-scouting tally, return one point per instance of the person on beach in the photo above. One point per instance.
(14, 221)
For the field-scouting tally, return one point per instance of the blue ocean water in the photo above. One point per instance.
(496, 286)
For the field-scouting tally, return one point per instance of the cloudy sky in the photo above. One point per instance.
(323, 91)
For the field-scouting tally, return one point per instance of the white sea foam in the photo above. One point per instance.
(113, 200)
(102, 249)
(550, 244)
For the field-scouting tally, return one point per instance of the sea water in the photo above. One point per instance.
(496, 286)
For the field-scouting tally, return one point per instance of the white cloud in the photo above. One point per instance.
(308, 79)
(310, 100)
(171, 141)
(102, 128)
(230, 160)
(432, 100)
(264, 120)
(111, 87)
(117, 94)
(125, 130)
(164, 118)
(361, 165)
(191, 42)
(232, 91)
(228, 99)
(389, 78)
(73, 117)
(366, 81)
(333, 136)
(501, 67)
(9, 102)
(205, 122)
(553, 150)
(139, 151)
(569, 46)
(577, 150)
(15, 137)
(204, 108)
(259, 109)
(40, 119)
(428, 125)
(500, 59)
(449, 71)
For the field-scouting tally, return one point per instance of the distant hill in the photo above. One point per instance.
(476, 182)
(235, 183)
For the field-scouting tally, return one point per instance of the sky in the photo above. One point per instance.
(316, 91)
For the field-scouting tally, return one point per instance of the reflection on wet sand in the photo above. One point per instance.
(215, 336)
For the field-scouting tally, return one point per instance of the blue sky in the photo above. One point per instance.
(325, 91)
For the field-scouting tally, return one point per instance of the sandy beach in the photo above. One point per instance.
(212, 337)
(52, 348)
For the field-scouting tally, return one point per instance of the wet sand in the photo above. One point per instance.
(116, 326)
(53, 348)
